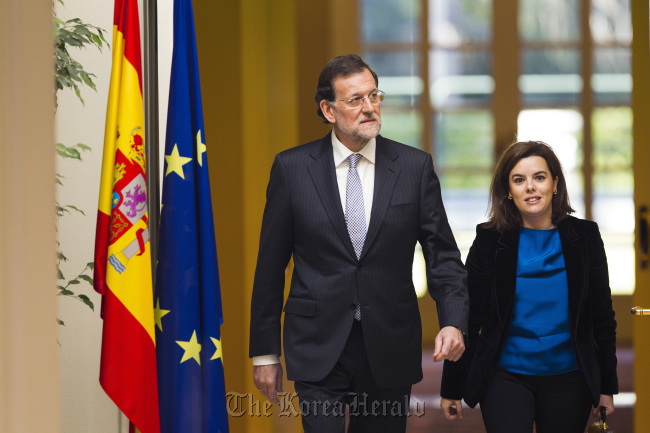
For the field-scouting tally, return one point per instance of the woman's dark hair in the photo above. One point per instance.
(503, 214)
(341, 66)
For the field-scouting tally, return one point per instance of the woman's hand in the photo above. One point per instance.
(452, 409)
(605, 400)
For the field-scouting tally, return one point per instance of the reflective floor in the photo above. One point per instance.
(427, 416)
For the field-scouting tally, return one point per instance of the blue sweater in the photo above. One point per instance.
(539, 339)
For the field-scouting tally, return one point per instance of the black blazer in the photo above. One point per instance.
(492, 268)
(303, 217)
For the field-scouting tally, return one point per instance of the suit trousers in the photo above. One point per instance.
(372, 409)
(555, 404)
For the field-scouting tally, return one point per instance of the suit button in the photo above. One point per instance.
(360, 268)
(353, 306)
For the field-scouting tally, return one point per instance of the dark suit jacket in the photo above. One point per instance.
(303, 216)
(492, 268)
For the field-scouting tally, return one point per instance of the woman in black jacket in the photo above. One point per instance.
(541, 338)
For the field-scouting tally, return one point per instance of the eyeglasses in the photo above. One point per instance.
(375, 98)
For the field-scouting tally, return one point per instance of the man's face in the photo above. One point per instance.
(353, 126)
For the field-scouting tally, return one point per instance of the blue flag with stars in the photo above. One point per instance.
(188, 300)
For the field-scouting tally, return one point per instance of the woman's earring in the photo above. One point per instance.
(509, 197)
(555, 192)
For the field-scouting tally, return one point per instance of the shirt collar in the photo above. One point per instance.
(341, 152)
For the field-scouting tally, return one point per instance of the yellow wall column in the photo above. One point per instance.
(641, 134)
(324, 30)
(313, 51)
(217, 29)
(247, 58)
(259, 65)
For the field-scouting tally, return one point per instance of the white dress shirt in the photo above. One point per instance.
(366, 170)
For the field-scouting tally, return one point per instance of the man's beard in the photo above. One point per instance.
(363, 133)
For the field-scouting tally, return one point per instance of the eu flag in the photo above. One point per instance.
(187, 299)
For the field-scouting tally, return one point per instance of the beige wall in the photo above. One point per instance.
(28, 361)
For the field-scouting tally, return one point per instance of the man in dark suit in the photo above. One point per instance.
(350, 208)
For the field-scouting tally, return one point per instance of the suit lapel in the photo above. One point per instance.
(323, 175)
(506, 272)
(573, 260)
(386, 173)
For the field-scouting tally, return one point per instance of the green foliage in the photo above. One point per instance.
(73, 152)
(71, 74)
(62, 210)
(65, 290)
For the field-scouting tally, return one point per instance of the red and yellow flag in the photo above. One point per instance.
(122, 249)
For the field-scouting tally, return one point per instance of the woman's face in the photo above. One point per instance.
(531, 189)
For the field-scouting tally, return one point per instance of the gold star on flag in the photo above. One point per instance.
(219, 353)
(200, 148)
(192, 349)
(158, 314)
(175, 162)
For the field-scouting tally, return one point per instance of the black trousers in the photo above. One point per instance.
(372, 409)
(555, 404)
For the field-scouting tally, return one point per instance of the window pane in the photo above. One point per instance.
(463, 158)
(619, 248)
(390, 20)
(550, 76)
(613, 206)
(456, 21)
(612, 160)
(549, 20)
(465, 208)
(610, 21)
(612, 81)
(562, 130)
(463, 141)
(401, 125)
(460, 77)
(398, 73)
(398, 77)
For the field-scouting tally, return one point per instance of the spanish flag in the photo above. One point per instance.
(122, 250)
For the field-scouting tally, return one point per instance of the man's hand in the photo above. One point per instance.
(449, 344)
(608, 402)
(268, 380)
(452, 409)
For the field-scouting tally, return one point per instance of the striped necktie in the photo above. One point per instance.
(355, 214)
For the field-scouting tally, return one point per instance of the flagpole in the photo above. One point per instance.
(150, 84)
(151, 124)
(150, 102)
